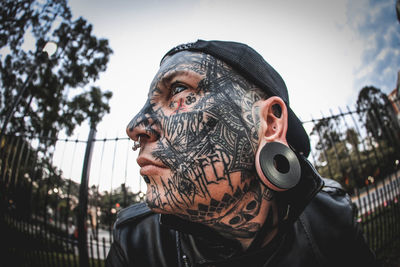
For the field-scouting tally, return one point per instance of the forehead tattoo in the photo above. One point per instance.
(196, 62)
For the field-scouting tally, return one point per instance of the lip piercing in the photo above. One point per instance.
(136, 145)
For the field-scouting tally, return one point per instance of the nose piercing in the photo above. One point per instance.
(136, 145)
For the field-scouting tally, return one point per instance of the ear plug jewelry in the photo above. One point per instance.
(278, 166)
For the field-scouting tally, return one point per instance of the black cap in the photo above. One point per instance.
(253, 67)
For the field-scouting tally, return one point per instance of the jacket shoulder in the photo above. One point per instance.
(133, 213)
(336, 203)
(331, 229)
(332, 187)
(140, 239)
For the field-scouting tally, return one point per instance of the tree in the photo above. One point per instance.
(339, 155)
(59, 94)
(325, 130)
(352, 139)
(377, 114)
(346, 157)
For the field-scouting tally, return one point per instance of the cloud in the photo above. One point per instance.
(378, 27)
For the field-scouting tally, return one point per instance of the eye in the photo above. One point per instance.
(177, 87)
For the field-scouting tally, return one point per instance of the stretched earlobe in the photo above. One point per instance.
(277, 166)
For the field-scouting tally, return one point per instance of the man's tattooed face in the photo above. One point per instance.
(199, 132)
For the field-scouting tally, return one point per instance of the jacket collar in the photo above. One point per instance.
(297, 198)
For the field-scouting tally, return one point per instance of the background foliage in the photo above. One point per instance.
(60, 91)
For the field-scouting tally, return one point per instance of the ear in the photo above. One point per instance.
(273, 121)
(277, 173)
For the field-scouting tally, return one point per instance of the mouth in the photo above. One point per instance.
(150, 167)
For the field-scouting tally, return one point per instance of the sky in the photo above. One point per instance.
(326, 51)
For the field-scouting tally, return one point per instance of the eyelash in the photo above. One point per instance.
(176, 85)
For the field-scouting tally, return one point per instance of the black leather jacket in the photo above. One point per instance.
(318, 230)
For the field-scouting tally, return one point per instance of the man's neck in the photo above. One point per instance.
(254, 218)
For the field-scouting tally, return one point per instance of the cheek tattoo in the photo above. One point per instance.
(208, 140)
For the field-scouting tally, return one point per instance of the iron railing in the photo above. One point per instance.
(42, 196)
(365, 161)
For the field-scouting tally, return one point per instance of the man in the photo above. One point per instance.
(228, 182)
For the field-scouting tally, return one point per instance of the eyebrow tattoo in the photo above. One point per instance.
(166, 79)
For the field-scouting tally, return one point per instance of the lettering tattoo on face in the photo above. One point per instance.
(206, 131)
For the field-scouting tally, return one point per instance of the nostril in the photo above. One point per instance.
(142, 137)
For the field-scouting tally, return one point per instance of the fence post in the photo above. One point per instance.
(83, 201)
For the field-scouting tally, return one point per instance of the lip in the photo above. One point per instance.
(149, 167)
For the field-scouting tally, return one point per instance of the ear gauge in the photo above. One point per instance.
(277, 166)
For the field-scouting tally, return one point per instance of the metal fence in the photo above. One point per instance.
(41, 183)
(360, 148)
(45, 184)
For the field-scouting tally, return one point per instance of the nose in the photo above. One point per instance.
(144, 125)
